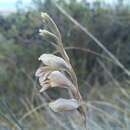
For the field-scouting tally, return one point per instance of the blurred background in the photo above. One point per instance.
(103, 82)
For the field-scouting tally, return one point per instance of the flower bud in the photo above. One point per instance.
(62, 105)
(51, 24)
(54, 62)
(44, 15)
(48, 35)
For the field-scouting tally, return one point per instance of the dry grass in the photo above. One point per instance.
(107, 107)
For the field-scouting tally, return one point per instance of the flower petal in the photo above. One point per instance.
(54, 61)
(44, 88)
(40, 72)
(42, 79)
(61, 105)
(43, 70)
(59, 79)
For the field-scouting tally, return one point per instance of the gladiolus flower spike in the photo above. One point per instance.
(58, 72)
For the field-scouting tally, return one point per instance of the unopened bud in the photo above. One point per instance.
(62, 105)
(48, 35)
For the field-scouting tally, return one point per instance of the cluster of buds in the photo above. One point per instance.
(58, 72)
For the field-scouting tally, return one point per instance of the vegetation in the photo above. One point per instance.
(103, 81)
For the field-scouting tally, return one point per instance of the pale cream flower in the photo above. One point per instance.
(58, 78)
(62, 105)
(52, 38)
(54, 61)
(55, 79)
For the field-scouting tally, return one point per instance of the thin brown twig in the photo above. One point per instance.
(85, 50)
